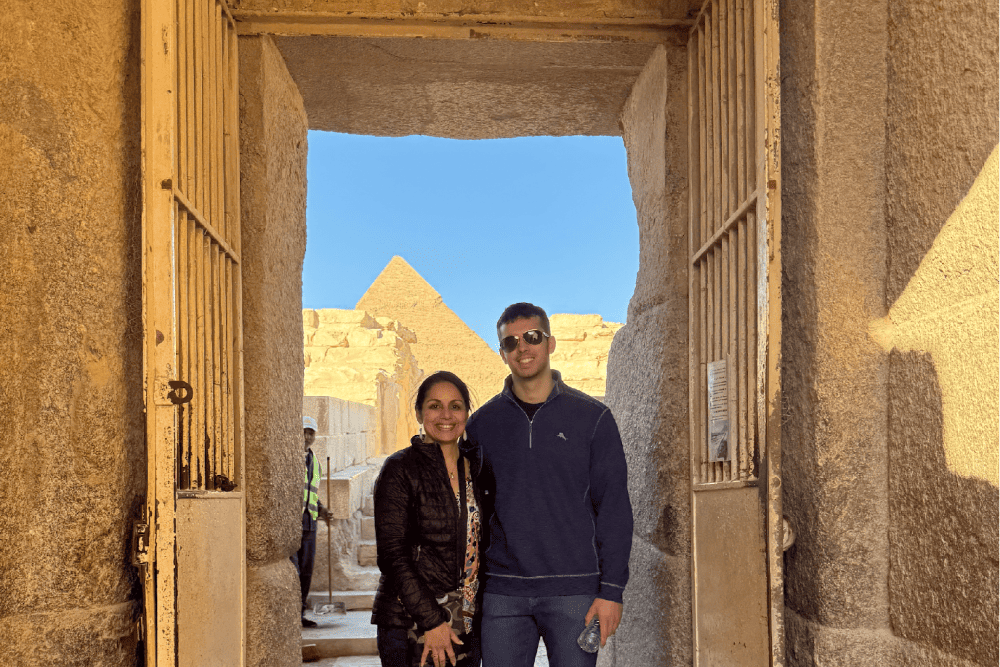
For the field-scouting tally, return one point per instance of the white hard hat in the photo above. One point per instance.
(309, 422)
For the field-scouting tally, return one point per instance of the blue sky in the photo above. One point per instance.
(543, 219)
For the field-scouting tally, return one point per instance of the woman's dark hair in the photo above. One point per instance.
(438, 378)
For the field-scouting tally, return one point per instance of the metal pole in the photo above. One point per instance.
(329, 547)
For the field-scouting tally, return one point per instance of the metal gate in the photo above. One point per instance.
(735, 333)
(191, 548)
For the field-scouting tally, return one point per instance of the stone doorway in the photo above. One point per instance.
(474, 89)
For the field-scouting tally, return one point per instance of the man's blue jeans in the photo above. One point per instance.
(512, 626)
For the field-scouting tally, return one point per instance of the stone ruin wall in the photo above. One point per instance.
(582, 344)
(351, 355)
(349, 432)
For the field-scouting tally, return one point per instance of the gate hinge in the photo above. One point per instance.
(140, 543)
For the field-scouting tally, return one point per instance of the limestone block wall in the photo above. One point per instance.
(273, 140)
(833, 375)
(889, 115)
(941, 296)
(582, 344)
(647, 373)
(72, 463)
(357, 357)
(348, 431)
(943, 436)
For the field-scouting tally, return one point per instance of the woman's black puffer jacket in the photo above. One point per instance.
(420, 533)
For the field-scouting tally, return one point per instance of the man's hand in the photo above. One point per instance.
(608, 613)
(324, 514)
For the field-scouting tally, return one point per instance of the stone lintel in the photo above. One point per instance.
(447, 25)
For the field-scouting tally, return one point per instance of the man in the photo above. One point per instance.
(312, 509)
(560, 529)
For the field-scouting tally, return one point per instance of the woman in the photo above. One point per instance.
(427, 527)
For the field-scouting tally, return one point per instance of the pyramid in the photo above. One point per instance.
(444, 341)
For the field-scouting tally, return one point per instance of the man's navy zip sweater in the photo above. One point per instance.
(556, 485)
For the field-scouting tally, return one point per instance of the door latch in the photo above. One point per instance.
(140, 543)
(180, 392)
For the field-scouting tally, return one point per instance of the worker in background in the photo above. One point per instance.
(312, 509)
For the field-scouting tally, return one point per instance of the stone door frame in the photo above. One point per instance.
(656, 141)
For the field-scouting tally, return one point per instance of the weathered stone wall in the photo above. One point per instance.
(941, 128)
(550, 85)
(449, 87)
(833, 375)
(273, 136)
(582, 344)
(889, 112)
(647, 373)
(356, 357)
(942, 331)
(73, 454)
(444, 342)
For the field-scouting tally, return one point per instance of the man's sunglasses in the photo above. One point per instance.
(532, 337)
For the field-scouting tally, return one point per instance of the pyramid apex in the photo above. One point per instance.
(396, 259)
(398, 280)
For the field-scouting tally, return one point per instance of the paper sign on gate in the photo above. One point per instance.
(718, 412)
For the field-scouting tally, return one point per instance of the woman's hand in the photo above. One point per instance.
(438, 643)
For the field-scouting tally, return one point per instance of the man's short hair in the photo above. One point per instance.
(523, 311)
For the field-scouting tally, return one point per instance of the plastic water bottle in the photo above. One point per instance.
(590, 639)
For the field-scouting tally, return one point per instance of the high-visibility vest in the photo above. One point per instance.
(310, 492)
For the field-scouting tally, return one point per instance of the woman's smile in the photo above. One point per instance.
(444, 413)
